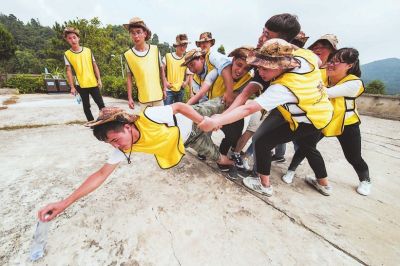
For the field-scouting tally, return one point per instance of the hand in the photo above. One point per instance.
(49, 212)
(167, 85)
(73, 91)
(99, 84)
(208, 124)
(228, 99)
(131, 103)
(164, 94)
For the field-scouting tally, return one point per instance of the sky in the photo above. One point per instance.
(371, 26)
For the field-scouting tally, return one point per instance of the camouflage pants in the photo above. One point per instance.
(200, 141)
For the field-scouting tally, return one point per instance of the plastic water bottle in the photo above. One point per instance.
(78, 98)
(39, 241)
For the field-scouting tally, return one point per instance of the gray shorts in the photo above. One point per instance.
(200, 141)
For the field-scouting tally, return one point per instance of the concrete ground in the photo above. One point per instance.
(191, 214)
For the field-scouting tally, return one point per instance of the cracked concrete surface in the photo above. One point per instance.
(191, 214)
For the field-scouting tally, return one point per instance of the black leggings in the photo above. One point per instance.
(84, 93)
(232, 132)
(306, 137)
(350, 140)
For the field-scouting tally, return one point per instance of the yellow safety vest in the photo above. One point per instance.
(197, 78)
(218, 88)
(341, 106)
(175, 72)
(324, 76)
(163, 141)
(146, 71)
(309, 91)
(82, 65)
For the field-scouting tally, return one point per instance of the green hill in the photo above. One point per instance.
(386, 70)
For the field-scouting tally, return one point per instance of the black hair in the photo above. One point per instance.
(325, 43)
(100, 131)
(286, 25)
(348, 56)
(298, 43)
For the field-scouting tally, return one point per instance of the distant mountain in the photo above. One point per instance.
(386, 70)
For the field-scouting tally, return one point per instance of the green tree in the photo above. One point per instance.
(221, 49)
(375, 87)
(7, 45)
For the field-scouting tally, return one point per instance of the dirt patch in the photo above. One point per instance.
(3, 107)
(11, 100)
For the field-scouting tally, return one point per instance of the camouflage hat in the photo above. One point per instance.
(301, 37)
(205, 37)
(274, 54)
(181, 39)
(191, 55)
(330, 38)
(241, 52)
(69, 30)
(112, 113)
(137, 22)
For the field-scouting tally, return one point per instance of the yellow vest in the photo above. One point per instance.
(341, 106)
(218, 88)
(146, 71)
(308, 89)
(197, 78)
(82, 65)
(324, 76)
(163, 141)
(175, 72)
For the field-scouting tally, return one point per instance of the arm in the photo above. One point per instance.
(90, 184)
(347, 89)
(241, 99)
(70, 79)
(236, 114)
(228, 82)
(97, 73)
(187, 111)
(205, 87)
(129, 89)
(166, 84)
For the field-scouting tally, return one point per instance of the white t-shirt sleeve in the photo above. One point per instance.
(116, 157)
(66, 61)
(347, 89)
(275, 96)
(219, 61)
(211, 77)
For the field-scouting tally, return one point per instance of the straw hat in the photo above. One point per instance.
(274, 54)
(205, 37)
(109, 114)
(138, 22)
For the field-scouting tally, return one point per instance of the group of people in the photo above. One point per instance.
(289, 92)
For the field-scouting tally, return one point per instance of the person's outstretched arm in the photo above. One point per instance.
(188, 111)
(50, 211)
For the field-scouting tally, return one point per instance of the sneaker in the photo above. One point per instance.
(237, 160)
(201, 157)
(246, 164)
(277, 159)
(244, 173)
(288, 177)
(324, 190)
(255, 185)
(224, 167)
(364, 188)
(233, 174)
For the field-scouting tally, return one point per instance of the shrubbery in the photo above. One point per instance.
(116, 87)
(27, 83)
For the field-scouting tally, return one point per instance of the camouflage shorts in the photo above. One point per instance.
(200, 141)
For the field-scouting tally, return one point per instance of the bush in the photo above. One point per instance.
(375, 87)
(116, 87)
(27, 83)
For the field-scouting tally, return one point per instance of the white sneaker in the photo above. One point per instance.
(255, 185)
(364, 188)
(288, 177)
(246, 163)
(324, 190)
